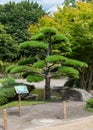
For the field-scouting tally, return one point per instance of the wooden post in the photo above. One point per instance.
(5, 119)
(19, 101)
(64, 109)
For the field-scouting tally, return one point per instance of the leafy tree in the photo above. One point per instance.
(48, 47)
(8, 49)
(17, 16)
(45, 21)
(79, 28)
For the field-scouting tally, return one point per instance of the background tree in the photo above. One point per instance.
(8, 49)
(48, 47)
(17, 16)
(79, 28)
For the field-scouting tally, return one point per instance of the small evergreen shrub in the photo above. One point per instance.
(8, 82)
(89, 105)
(7, 95)
(3, 99)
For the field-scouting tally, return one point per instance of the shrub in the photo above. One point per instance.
(89, 103)
(7, 95)
(3, 99)
(7, 92)
(8, 82)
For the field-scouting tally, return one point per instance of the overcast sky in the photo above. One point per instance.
(48, 5)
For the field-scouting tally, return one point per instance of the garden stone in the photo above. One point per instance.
(76, 94)
(32, 97)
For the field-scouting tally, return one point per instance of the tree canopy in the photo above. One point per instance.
(8, 47)
(16, 17)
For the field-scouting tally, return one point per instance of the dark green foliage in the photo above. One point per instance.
(9, 50)
(7, 95)
(17, 16)
(34, 44)
(8, 82)
(49, 31)
(34, 78)
(56, 58)
(89, 105)
(26, 61)
(69, 71)
(39, 64)
(64, 48)
(75, 63)
(10, 68)
(60, 38)
(38, 37)
(19, 69)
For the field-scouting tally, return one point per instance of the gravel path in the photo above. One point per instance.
(54, 82)
(32, 114)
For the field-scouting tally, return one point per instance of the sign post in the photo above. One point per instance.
(20, 90)
(19, 102)
(5, 119)
(64, 109)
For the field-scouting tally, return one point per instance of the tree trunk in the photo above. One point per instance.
(47, 75)
(83, 84)
(89, 86)
(47, 88)
(86, 79)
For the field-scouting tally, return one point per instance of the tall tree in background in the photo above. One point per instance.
(48, 48)
(17, 16)
(8, 49)
(77, 24)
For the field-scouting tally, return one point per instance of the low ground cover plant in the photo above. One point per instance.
(89, 105)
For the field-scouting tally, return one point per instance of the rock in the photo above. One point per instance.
(32, 97)
(91, 92)
(59, 88)
(55, 98)
(76, 94)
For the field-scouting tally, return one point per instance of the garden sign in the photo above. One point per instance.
(20, 89)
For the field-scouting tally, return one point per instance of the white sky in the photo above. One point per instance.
(49, 5)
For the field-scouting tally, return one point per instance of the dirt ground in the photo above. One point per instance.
(32, 114)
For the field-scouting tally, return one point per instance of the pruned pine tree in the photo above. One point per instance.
(48, 60)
